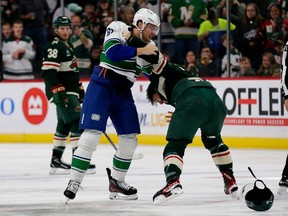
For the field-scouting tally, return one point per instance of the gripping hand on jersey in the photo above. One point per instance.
(149, 52)
(81, 93)
(60, 97)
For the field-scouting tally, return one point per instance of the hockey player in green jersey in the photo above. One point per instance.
(197, 106)
(62, 86)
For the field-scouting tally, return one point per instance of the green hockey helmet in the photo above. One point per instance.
(62, 21)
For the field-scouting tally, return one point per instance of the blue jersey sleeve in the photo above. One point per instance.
(120, 53)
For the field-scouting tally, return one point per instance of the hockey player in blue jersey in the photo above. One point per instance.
(109, 95)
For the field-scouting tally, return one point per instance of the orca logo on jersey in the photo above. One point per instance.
(95, 117)
(109, 31)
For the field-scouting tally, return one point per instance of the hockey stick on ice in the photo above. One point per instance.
(136, 156)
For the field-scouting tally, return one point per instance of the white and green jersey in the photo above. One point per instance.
(21, 68)
(235, 57)
(113, 37)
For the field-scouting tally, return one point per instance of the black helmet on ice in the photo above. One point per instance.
(258, 198)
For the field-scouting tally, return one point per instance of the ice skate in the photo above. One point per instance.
(71, 190)
(283, 186)
(172, 189)
(120, 190)
(230, 186)
(58, 167)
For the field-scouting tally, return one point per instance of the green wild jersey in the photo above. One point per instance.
(165, 76)
(60, 67)
(113, 36)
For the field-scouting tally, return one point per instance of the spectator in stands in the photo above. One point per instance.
(8, 10)
(35, 16)
(273, 28)
(185, 17)
(69, 10)
(17, 54)
(269, 67)
(206, 64)
(132, 3)
(95, 57)
(210, 33)
(284, 6)
(191, 63)
(235, 56)
(89, 16)
(82, 41)
(249, 38)
(104, 16)
(127, 14)
(261, 4)
(6, 30)
(246, 67)
(237, 10)
(279, 46)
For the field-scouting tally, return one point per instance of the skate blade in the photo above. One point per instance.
(162, 199)
(119, 196)
(138, 156)
(282, 190)
(66, 200)
(59, 171)
(90, 171)
(235, 195)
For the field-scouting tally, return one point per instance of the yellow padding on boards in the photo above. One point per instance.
(232, 142)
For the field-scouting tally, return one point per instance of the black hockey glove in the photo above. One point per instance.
(81, 93)
(137, 42)
(60, 97)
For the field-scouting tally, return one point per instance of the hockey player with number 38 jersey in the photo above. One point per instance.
(61, 76)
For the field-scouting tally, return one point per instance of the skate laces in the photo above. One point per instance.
(230, 183)
(58, 163)
(171, 185)
(73, 186)
(123, 185)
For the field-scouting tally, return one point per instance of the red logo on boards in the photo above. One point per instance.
(35, 106)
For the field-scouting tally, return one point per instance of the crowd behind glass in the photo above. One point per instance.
(193, 33)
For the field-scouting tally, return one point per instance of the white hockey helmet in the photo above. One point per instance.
(146, 16)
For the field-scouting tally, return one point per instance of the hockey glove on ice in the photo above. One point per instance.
(60, 97)
(81, 93)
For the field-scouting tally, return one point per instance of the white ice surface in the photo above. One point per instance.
(26, 188)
